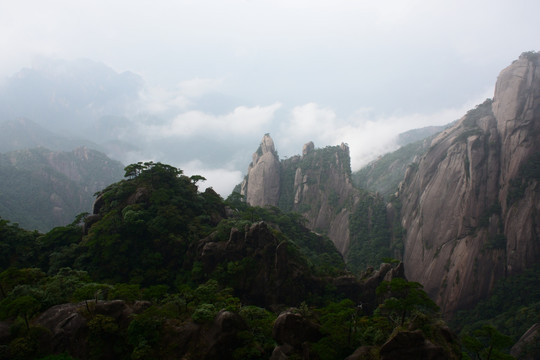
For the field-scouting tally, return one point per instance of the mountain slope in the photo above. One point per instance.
(384, 174)
(40, 188)
(470, 206)
(162, 271)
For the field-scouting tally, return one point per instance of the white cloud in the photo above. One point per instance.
(198, 86)
(158, 100)
(241, 121)
(309, 121)
(367, 135)
(222, 180)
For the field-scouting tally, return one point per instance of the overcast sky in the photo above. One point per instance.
(330, 71)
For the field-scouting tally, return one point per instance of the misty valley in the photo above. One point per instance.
(431, 251)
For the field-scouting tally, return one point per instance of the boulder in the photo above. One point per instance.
(68, 323)
(363, 353)
(221, 338)
(411, 345)
(529, 338)
(293, 329)
(293, 334)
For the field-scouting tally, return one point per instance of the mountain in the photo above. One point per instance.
(416, 135)
(160, 270)
(460, 207)
(317, 185)
(384, 174)
(41, 188)
(21, 133)
(69, 96)
(470, 204)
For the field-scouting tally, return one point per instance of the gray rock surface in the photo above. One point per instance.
(470, 213)
(262, 183)
(317, 185)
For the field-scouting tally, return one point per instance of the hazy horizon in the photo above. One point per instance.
(217, 75)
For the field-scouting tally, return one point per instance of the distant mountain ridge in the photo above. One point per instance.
(384, 174)
(68, 96)
(22, 133)
(41, 188)
(415, 135)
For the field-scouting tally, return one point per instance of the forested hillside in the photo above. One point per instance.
(162, 270)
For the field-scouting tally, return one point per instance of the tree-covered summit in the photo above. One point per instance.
(161, 270)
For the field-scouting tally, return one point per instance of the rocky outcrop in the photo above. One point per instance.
(68, 324)
(364, 353)
(322, 191)
(293, 333)
(273, 275)
(220, 340)
(411, 345)
(317, 185)
(261, 186)
(524, 348)
(471, 209)
(73, 329)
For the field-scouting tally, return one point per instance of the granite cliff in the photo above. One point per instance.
(470, 205)
(316, 184)
(263, 175)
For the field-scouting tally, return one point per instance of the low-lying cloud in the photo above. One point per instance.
(174, 128)
(222, 180)
(367, 134)
(242, 121)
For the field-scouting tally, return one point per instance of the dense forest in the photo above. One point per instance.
(162, 270)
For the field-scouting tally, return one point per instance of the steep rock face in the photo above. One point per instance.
(261, 186)
(516, 107)
(323, 191)
(316, 184)
(471, 204)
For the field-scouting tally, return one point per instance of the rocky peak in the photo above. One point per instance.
(317, 185)
(308, 147)
(262, 183)
(267, 144)
(516, 109)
